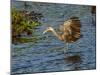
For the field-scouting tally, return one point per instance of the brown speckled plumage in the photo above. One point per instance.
(70, 30)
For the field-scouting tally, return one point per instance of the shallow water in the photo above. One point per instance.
(47, 55)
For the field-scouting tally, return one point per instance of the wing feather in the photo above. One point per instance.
(71, 29)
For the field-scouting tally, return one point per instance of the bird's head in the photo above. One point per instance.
(49, 29)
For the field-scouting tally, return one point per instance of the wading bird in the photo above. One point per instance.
(70, 31)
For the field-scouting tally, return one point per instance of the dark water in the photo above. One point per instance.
(47, 55)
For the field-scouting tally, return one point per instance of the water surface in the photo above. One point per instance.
(47, 54)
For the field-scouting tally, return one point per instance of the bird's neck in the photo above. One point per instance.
(56, 34)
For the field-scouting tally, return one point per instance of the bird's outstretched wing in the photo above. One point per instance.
(71, 29)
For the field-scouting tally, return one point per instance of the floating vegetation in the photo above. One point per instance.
(23, 23)
(25, 40)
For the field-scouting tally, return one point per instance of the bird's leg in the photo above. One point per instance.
(67, 45)
(66, 48)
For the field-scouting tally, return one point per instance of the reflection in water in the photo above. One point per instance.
(75, 60)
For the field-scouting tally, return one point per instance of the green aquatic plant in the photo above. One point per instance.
(25, 40)
(22, 24)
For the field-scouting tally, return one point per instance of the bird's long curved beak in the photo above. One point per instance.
(44, 31)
